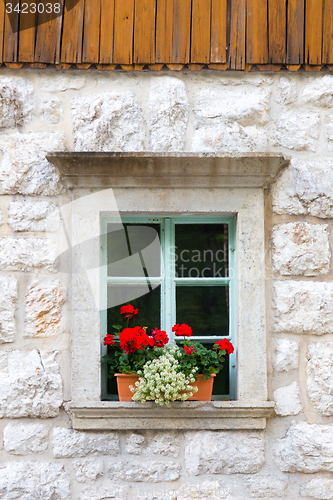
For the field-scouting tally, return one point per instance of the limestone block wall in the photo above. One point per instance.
(41, 457)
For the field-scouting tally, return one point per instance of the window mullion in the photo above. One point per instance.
(169, 273)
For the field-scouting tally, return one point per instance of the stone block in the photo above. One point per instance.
(329, 134)
(225, 452)
(303, 307)
(68, 443)
(296, 130)
(319, 371)
(24, 215)
(306, 448)
(24, 168)
(206, 490)
(305, 188)
(43, 302)
(104, 493)
(149, 471)
(1, 218)
(34, 480)
(286, 355)
(108, 121)
(286, 91)
(267, 487)
(16, 101)
(168, 114)
(319, 92)
(225, 137)
(51, 110)
(161, 444)
(23, 254)
(320, 488)
(22, 439)
(30, 385)
(242, 104)
(61, 83)
(300, 248)
(8, 301)
(287, 400)
(88, 470)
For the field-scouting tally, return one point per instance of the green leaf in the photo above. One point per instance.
(117, 327)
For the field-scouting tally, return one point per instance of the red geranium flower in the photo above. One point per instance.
(189, 350)
(159, 338)
(182, 330)
(128, 311)
(133, 339)
(225, 345)
(108, 340)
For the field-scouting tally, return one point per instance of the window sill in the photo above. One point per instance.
(196, 415)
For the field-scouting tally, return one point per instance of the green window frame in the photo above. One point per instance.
(168, 281)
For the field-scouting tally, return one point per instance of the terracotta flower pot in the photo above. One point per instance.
(124, 380)
(205, 389)
(204, 393)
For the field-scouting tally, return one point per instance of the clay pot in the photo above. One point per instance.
(204, 393)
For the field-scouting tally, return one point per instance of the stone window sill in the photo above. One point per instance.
(196, 415)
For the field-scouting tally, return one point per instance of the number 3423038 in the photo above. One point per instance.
(33, 8)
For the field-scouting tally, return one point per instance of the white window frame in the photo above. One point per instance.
(168, 283)
(180, 184)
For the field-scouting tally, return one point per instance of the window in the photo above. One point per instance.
(170, 187)
(174, 270)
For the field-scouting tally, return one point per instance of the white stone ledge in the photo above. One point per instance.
(212, 415)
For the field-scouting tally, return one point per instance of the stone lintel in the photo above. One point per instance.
(212, 415)
(168, 170)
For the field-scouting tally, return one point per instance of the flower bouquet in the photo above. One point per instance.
(161, 371)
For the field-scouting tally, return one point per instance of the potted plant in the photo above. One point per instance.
(148, 368)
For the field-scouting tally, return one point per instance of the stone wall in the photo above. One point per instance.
(41, 457)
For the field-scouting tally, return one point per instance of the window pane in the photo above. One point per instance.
(221, 381)
(148, 303)
(201, 250)
(133, 250)
(204, 308)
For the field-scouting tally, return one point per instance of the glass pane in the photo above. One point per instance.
(201, 250)
(204, 308)
(221, 381)
(133, 250)
(141, 297)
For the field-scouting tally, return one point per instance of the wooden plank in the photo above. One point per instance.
(200, 41)
(144, 31)
(295, 32)
(71, 47)
(2, 28)
(269, 67)
(106, 36)
(218, 42)
(181, 32)
(48, 37)
(10, 48)
(28, 23)
(16, 65)
(257, 33)
(123, 32)
(277, 22)
(328, 33)
(237, 34)
(164, 29)
(293, 67)
(314, 31)
(175, 67)
(195, 67)
(309, 67)
(220, 67)
(92, 20)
